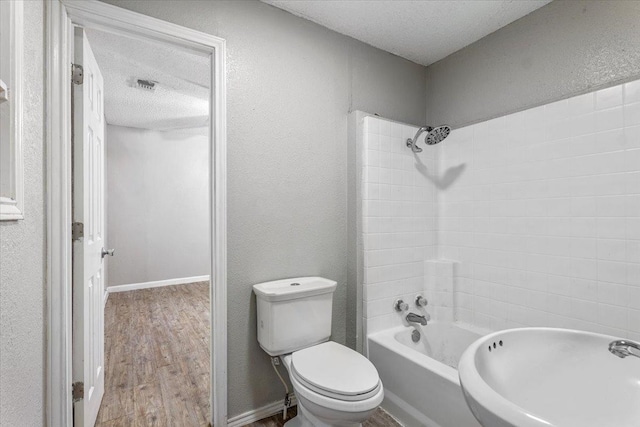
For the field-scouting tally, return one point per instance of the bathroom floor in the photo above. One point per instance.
(157, 360)
(379, 419)
(157, 357)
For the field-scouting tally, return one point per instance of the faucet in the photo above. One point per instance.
(622, 348)
(416, 318)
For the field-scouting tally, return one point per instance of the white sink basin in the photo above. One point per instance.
(535, 377)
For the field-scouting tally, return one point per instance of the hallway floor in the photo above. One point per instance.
(157, 357)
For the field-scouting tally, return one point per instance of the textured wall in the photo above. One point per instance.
(560, 50)
(157, 204)
(545, 218)
(22, 249)
(291, 84)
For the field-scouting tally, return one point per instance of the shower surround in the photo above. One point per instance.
(531, 219)
(398, 219)
(545, 219)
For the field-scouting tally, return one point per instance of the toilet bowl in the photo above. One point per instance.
(334, 385)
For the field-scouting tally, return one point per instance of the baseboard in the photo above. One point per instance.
(259, 414)
(156, 284)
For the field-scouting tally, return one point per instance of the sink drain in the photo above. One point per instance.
(415, 336)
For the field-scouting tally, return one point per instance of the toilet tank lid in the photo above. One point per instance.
(286, 289)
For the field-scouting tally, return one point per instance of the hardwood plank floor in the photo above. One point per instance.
(157, 361)
(157, 357)
(380, 418)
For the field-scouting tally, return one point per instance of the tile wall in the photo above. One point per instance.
(543, 215)
(399, 219)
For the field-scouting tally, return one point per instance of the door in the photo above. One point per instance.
(88, 210)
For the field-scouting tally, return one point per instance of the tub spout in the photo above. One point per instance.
(415, 318)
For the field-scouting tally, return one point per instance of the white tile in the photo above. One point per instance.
(385, 127)
(373, 125)
(612, 250)
(633, 228)
(611, 228)
(632, 183)
(613, 316)
(612, 272)
(584, 289)
(613, 294)
(632, 92)
(612, 118)
(632, 114)
(608, 98)
(581, 104)
(634, 297)
(632, 136)
(557, 110)
(544, 219)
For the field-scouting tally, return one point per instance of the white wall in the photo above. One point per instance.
(157, 204)
(291, 84)
(399, 219)
(22, 254)
(545, 218)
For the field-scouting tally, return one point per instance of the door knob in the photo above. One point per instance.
(106, 252)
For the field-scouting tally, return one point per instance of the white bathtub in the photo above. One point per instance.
(420, 379)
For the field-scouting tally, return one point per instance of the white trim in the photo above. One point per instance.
(58, 193)
(157, 284)
(12, 204)
(260, 413)
(60, 17)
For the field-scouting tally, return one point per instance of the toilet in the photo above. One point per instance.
(334, 385)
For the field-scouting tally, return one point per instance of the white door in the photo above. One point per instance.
(88, 209)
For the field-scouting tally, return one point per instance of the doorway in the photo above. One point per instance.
(141, 192)
(72, 343)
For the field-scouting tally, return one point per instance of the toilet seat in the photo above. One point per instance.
(306, 394)
(335, 371)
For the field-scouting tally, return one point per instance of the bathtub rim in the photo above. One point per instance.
(386, 338)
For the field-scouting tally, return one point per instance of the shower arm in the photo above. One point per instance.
(411, 143)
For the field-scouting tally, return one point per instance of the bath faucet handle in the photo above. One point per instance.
(421, 301)
(400, 305)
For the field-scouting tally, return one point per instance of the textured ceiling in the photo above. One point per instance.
(181, 97)
(420, 31)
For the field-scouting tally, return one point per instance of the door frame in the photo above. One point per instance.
(61, 16)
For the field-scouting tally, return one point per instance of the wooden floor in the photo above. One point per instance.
(157, 360)
(157, 357)
(379, 419)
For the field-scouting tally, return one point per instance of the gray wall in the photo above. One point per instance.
(157, 204)
(22, 251)
(291, 84)
(564, 48)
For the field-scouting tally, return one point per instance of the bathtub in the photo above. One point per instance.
(420, 379)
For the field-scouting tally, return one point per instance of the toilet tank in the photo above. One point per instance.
(293, 313)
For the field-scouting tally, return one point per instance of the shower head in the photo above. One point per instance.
(434, 136)
(437, 134)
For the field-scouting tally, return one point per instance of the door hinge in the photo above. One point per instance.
(77, 74)
(77, 231)
(77, 391)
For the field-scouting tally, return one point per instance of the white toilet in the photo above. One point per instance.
(335, 386)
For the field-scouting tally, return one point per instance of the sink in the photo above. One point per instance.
(534, 377)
